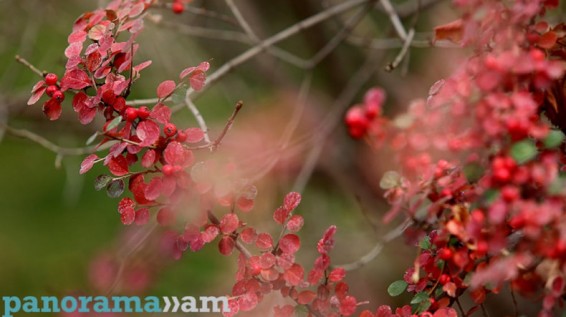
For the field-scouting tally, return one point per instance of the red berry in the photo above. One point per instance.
(59, 96)
(143, 112)
(357, 122)
(51, 90)
(444, 278)
(445, 254)
(131, 114)
(170, 129)
(181, 137)
(51, 79)
(178, 8)
(168, 170)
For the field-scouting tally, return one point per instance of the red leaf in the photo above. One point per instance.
(93, 60)
(285, 311)
(52, 109)
(36, 92)
(294, 275)
(118, 166)
(148, 132)
(138, 68)
(203, 67)
(547, 40)
(267, 261)
(86, 115)
(226, 245)
(165, 216)
(161, 113)
(327, 242)
(337, 274)
(176, 154)
(290, 243)
(210, 233)
(264, 241)
(348, 306)
(142, 216)
(245, 205)
(295, 223)
(306, 297)
(79, 101)
(148, 158)
(197, 80)
(229, 223)
(280, 215)
(126, 203)
(74, 49)
(153, 189)
(128, 216)
(291, 201)
(452, 32)
(87, 163)
(194, 135)
(248, 235)
(137, 186)
(165, 89)
(75, 79)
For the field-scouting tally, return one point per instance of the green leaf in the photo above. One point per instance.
(425, 243)
(419, 298)
(553, 139)
(523, 151)
(390, 180)
(115, 188)
(473, 172)
(397, 288)
(92, 138)
(114, 123)
(490, 195)
(102, 181)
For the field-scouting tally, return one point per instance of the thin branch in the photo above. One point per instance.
(29, 65)
(202, 12)
(402, 53)
(64, 151)
(198, 116)
(376, 250)
(215, 34)
(395, 20)
(227, 127)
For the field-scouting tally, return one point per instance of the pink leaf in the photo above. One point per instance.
(176, 154)
(197, 80)
(280, 215)
(128, 216)
(295, 223)
(337, 275)
(148, 158)
(142, 216)
(118, 166)
(165, 89)
(52, 109)
(294, 275)
(306, 297)
(148, 132)
(36, 92)
(194, 135)
(203, 67)
(126, 203)
(229, 223)
(153, 189)
(248, 235)
(264, 241)
(87, 163)
(290, 243)
(138, 68)
(75, 79)
(86, 115)
(210, 233)
(79, 101)
(74, 49)
(291, 201)
(226, 245)
(161, 113)
(348, 306)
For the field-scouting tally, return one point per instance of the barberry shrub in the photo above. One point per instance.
(479, 166)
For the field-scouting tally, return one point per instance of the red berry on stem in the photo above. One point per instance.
(59, 96)
(445, 254)
(51, 90)
(51, 79)
(181, 137)
(170, 129)
(131, 114)
(143, 112)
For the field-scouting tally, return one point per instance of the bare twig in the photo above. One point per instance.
(227, 127)
(64, 151)
(198, 116)
(29, 65)
(395, 20)
(215, 34)
(402, 53)
(202, 12)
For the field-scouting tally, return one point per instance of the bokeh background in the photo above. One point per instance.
(59, 236)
